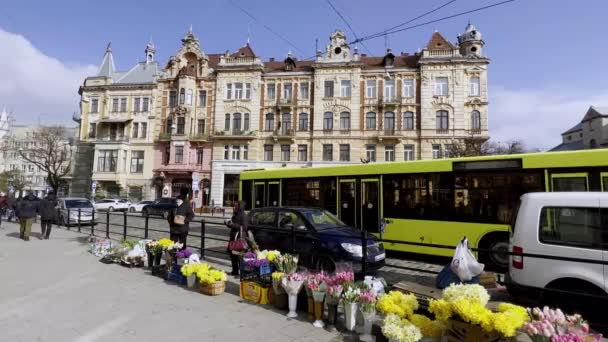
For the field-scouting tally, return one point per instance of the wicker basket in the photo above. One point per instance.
(458, 331)
(213, 289)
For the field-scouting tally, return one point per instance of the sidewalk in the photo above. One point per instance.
(54, 290)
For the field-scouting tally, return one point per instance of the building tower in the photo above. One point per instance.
(5, 123)
(470, 42)
(150, 50)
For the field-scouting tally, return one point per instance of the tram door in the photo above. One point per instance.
(274, 194)
(348, 205)
(259, 195)
(370, 204)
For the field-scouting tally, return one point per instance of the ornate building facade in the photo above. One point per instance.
(216, 115)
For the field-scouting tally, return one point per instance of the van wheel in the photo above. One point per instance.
(325, 263)
(497, 258)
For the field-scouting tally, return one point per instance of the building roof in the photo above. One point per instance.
(595, 112)
(571, 146)
(438, 42)
(278, 66)
(576, 128)
(403, 61)
(141, 73)
(107, 67)
(245, 51)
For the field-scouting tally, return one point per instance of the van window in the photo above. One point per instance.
(572, 226)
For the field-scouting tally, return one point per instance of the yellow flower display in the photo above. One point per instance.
(398, 303)
(272, 255)
(471, 292)
(210, 275)
(428, 327)
(509, 319)
(473, 312)
(441, 308)
(166, 243)
(189, 269)
(277, 275)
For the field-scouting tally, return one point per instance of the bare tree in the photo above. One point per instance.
(48, 149)
(474, 146)
(14, 179)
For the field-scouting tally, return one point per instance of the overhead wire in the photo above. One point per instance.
(348, 24)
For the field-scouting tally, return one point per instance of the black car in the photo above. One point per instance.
(321, 239)
(160, 207)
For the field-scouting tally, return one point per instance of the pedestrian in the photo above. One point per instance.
(48, 214)
(179, 219)
(237, 225)
(27, 209)
(3, 206)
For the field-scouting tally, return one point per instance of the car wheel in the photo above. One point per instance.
(132, 209)
(325, 263)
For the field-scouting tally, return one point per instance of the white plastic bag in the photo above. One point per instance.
(464, 264)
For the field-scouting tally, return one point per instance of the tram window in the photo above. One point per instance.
(246, 193)
(328, 195)
(570, 184)
(604, 183)
(301, 192)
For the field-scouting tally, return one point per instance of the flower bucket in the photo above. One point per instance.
(280, 300)
(311, 308)
(350, 316)
(318, 323)
(332, 316)
(213, 289)
(157, 258)
(191, 281)
(368, 321)
(150, 259)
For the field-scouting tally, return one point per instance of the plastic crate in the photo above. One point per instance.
(176, 275)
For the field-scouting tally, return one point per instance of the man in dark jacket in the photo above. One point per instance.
(27, 209)
(179, 232)
(48, 214)
(237, 224)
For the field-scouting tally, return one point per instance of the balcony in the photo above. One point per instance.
(110, 139)
(285, 102)
(283, 134)
(390, 101)
(442, 131)
(164, 136)
(234, 134)
(199, 137)
(388, 134)
(370, 101)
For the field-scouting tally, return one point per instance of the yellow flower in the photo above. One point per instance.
(272, 255)
(428, 327)
(509, 319)
(277, 275)
(473, 312)
(441, 308)
(398, 303)
(166, 243)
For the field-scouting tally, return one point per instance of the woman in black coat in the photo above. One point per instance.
(237, 224)
(179, 232)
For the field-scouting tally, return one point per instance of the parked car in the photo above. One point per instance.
(139, 206)
(322, 240)
(75, 209)
(560, 224)
(112, 204)
(160, 207)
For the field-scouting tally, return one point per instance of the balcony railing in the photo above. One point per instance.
(389, 132)
(199, 136)
(442, 131)
(284, 132)
(286, 101)
(234, 133)
(164, 136)
(111, 138)
(390, 100)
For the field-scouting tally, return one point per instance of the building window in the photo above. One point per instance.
(246, 121)
(106, 160)
(145, 101)
(389, 153)
(408, 88)
(329, 89)
(236, 152)
(436, 151)
(182, 96)
(202, 98)
(271, 91)
(328, 121)
(442, 120)
(303, 91)
(370, 89)
(449, 151)
(135, 129)
(475, 120)
(238, 90)
(94, 105)
(123, 104)
(227, 122)
(167, 157)
(389, 90)
(474, 86)
(370, 120)
(370, 153)
(345, 88)
(201, 126)
(137, 161)
(345, 120)
(226, 152)
(286, 122)
(303, 122)
(92, 131)
(389, 121)
(269, 123)
(285, 154)
(245, 152)
(172, 98)
(268, 152)
(199, 156)
(115, 104)
(189, 97)
(328, 152)
(169, 127)
(408, 152)
(287, 91)
(179, 154)
(236, 122)
(408, 120)
(229, 91)
(248, 91)
(181, 125)
(344, 152)
(144, 129)
(441, 86)
(302, 153)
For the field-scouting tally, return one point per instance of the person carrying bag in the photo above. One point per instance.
(179, 219)
(238, 229)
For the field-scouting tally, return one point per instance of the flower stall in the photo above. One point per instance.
(256, 270)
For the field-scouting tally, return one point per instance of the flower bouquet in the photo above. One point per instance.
(151, 248)
(213, 282)
(317, 286)
(396, 328)
(292, 283)
(548, 325)
(398, 303)
(367, 300)
(190, 272)
(350, 298)
(334, 293)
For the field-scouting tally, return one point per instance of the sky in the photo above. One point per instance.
(548, 57)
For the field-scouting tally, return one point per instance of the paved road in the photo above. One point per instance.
(54, 291)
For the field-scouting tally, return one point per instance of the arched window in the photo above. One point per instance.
(475, 120)
(189, 97)
(182, 96)
(303, 122)
(370, 120)
(286, 122)
(246, 121)
(227, 123)
(269, 122)
(408, 120)
(345, 120)
(236, 121)
(389, 120)
(328, 120)
(442, 120)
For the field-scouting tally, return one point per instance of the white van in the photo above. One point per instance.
(560, 224)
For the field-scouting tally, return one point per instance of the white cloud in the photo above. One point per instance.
(538, 117)
(35, 85)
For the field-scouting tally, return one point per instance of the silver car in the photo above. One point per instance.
(75, 209)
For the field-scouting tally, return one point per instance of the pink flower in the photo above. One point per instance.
(367, 297)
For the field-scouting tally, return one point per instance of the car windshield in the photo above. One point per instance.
(78, 204)
(322, 219)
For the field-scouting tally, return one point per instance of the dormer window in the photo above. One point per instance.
(388, 59)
